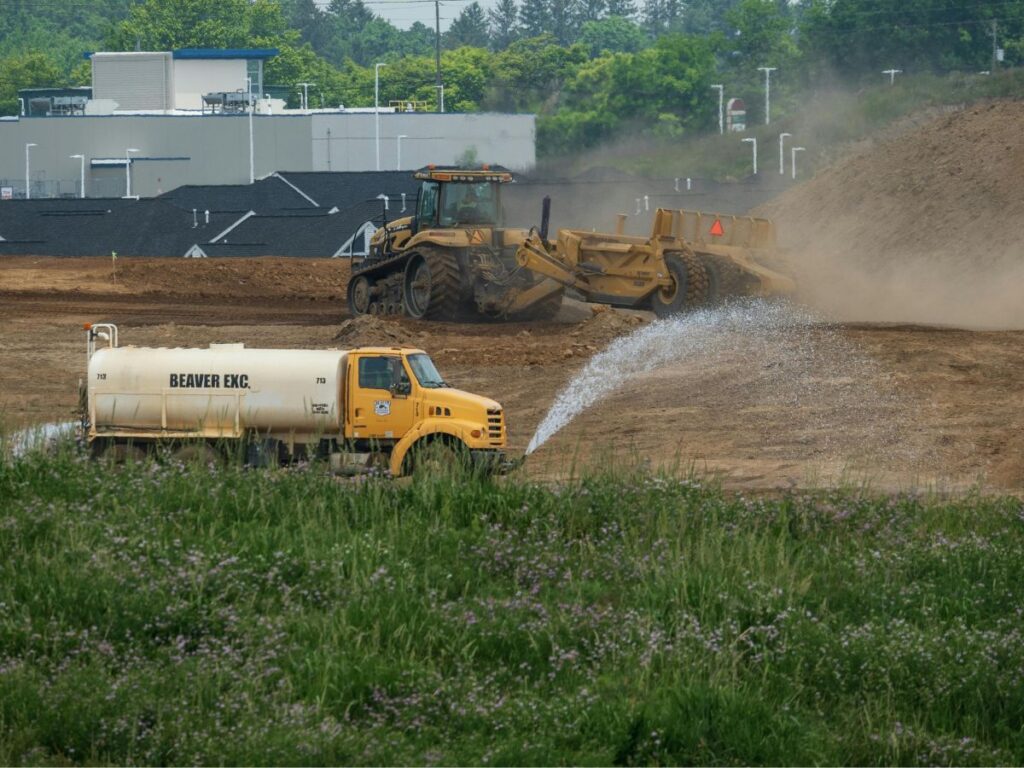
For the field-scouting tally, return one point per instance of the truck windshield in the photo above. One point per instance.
(426, 373)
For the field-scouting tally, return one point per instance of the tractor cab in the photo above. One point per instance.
(451, 197)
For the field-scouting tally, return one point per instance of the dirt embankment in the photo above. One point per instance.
(922, 227)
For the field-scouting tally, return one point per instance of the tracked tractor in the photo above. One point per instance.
(454, 258)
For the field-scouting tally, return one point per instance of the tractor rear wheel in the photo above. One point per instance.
(430, 288)
(689, 288)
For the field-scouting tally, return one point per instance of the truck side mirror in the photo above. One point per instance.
(401, 388)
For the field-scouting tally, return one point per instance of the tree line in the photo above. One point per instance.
(590, 69)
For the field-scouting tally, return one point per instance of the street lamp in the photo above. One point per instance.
(782, 156)
(376, 108)
(767, 92)
(128, 172)
(82, 182)
(792, 161)
(892, 74)
(753, 143)
(305, 94)
(400, 137)
(252, 154)
(721, 104)
(28, 187)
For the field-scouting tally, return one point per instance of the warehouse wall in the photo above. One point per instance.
(178, 150)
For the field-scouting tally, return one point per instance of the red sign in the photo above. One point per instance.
(717, 230)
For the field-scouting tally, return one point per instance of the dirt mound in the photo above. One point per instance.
(375, 331)
(605, 325)
(921, 227)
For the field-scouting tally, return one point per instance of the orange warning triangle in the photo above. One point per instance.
(476, 237)
(717, 230)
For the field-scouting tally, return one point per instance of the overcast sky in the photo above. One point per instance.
(403, 13)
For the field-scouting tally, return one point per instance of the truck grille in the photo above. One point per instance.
(495, 426)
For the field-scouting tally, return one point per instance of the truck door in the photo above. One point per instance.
(382, 400)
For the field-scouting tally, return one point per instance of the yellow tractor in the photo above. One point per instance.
(455, 258)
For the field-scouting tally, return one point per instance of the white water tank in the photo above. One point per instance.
(225, 390)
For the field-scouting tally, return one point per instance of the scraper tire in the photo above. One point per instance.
(690, 285)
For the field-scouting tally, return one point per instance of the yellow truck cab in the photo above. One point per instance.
(397, 401)
(363, 409)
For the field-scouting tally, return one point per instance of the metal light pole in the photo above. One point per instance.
(721, 106)
(128, 172)
(892, 74)
(376, 107)
(792, 160)
(305, 94)
(28, 177)
(767, 92)
(252, 152)
(401, 136)
(753, 143)
(81, 184)
(782, 156)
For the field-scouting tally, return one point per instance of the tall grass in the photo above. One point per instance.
(160, 613)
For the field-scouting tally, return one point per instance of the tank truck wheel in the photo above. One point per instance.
(430, 288)
(359, 296)
(195, 453)
(438, 458)
(119, 453)
(689, 285)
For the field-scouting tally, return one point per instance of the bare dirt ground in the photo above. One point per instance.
(896, 406)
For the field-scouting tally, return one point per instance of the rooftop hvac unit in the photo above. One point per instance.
(226, 101)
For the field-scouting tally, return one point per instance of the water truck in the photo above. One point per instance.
(455, 258)
(365, 409)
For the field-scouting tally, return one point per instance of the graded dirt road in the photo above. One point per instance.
(897, 407)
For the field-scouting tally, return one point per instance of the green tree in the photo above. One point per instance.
(503, 20)
(468, 28)
(535, 17)
(565, 19)
(614, 34)
(857, 38)
(26, 70)
(625, 9)
(163, 25)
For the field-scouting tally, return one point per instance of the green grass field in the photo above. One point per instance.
(169, 614)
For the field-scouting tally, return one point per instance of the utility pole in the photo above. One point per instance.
(767, 93)
(753, 143)
(995, 50)
(892, 74)
(437, 55)
(782, 155)
(721, 106)
(792, 160)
